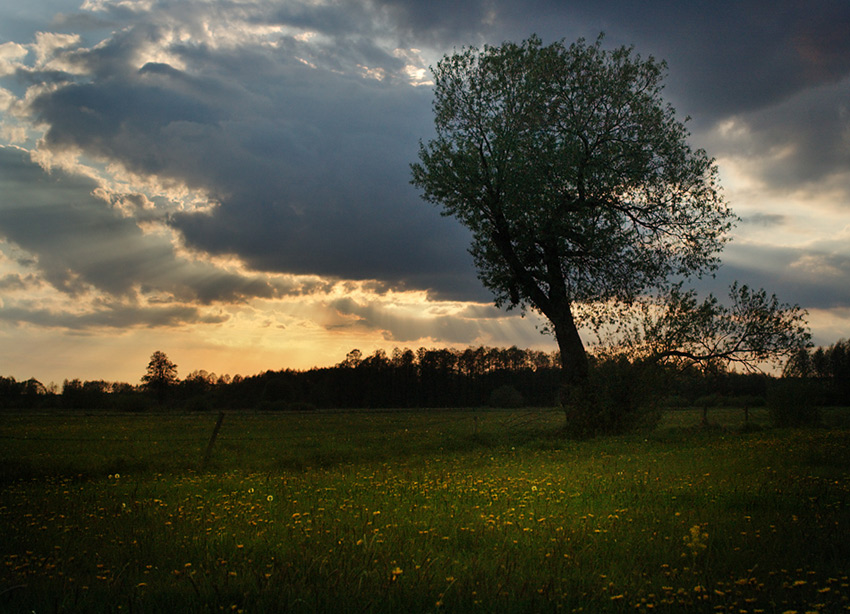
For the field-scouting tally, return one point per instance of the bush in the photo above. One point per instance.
(617, 398)
(506, 397)
(792, 402)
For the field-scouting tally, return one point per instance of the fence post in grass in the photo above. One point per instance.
(211, 443)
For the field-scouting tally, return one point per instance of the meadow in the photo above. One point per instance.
(414, 511)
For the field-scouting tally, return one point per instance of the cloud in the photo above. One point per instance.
(728, 58)
(765, 219)
(13, 282)
(80, 242)
(800, 144)
(724, 58)
(115, 316)
(403, 321)
(308, 166)
(814, 276)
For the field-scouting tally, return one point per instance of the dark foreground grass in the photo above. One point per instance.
(419, 512)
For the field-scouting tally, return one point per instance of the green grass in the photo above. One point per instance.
(420, 512)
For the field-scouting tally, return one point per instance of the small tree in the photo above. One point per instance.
(160, 376)
(752, 331)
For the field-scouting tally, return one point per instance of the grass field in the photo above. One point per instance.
(420, 512)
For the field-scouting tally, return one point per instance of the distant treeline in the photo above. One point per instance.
(438, 378)
(826, 369)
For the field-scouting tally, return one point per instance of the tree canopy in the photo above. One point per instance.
(161, 373)
(575, 178)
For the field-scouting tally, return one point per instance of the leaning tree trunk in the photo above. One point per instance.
(574, 364)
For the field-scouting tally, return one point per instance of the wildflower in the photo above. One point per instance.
(396, 573)
(270, 498)
(695, 540)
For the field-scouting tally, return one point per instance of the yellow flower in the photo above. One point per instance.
(695, 540)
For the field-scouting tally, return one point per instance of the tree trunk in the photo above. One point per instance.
(574, 375)
(574, 363)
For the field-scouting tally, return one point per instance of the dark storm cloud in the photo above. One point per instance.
(80, 241)
(310, 168)
(725, 57)
(308, 159)
(802, 142)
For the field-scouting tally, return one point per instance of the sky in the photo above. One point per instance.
(228, 181)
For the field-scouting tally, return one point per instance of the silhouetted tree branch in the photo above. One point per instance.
(752, 330)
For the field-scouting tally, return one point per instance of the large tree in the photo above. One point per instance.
(575, 178)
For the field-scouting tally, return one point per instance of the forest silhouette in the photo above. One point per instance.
(427, 378)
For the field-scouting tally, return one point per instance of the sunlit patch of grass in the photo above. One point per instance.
(423, 512)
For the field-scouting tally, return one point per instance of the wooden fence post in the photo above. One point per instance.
(211, 443)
